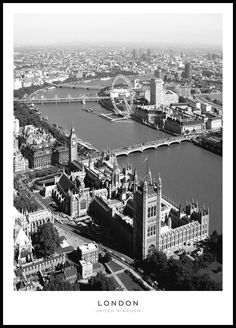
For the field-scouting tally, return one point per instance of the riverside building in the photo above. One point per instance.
(146, 221)
(159, 96)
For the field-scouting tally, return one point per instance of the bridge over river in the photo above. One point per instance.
(152, 145)
(55, 100)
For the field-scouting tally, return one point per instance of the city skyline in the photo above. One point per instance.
(135, 29)
(118, 162)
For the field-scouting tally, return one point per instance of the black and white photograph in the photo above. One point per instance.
(117, 124)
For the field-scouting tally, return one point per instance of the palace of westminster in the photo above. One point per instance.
(134, 211)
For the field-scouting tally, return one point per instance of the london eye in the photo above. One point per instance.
(122, 96)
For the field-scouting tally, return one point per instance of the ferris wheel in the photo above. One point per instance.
(122, 97)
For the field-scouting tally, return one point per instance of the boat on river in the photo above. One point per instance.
(89, 109)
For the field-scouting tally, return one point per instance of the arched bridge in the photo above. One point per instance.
(151, 145)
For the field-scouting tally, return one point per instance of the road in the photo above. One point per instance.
(120, 258)
(131, 269)
(123, 257)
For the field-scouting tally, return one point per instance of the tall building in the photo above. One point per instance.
(73, 155)
(188, 71)
(158, 226)
(145, 223)
(149, 53)
(134, 53)
(156, 92)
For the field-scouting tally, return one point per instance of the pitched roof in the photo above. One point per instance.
(65, 183)
(18, 272)
(21, 238)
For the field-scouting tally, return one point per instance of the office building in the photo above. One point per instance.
(88, 252)
(159, 96)
(156, 92)
(188, 71)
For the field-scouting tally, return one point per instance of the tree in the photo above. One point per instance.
(57, 283)
(180, 274)
(23, 203)
(204, 282)
(107, 257)
(214, 246)
(46, 240)
(101, 282)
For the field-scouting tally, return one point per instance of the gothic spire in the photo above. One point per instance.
(145, 185)
(159, 179)
(149, 174)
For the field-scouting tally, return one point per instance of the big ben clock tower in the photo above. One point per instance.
(73, 145)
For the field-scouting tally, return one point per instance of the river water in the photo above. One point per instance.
(187, 171)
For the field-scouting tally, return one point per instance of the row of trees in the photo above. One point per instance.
(23, 203)
(46, 241)
(183, 274)
(45, 171)
(26, 117)
(28, 90)
(57, 283)
(179, 274)
(98, 283)
(214, 246)
(101, 282)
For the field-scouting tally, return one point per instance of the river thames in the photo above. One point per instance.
(187, 171)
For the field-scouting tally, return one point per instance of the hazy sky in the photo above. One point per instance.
(200, 29)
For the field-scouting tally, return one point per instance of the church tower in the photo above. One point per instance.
(73, 155)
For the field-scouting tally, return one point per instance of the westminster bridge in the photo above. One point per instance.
(152, 144)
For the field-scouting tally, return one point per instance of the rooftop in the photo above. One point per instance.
(88, 247)
(83, 262)
(66, 184)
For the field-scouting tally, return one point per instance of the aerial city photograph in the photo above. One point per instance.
(117, 159)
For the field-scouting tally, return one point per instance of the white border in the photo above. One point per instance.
(156, 308)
